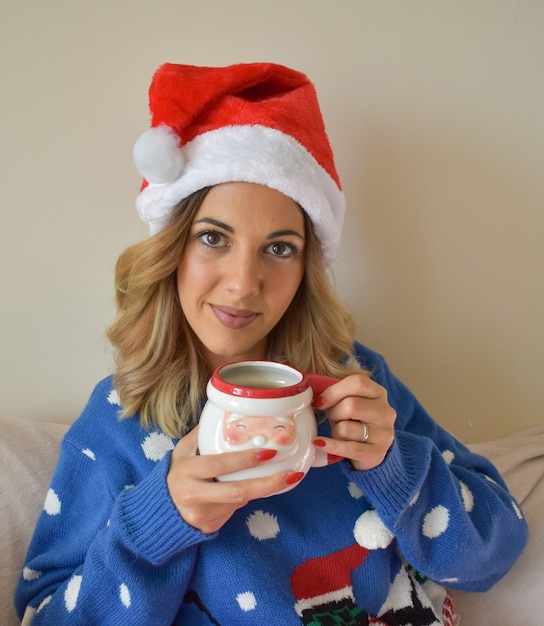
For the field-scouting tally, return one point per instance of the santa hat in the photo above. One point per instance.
(257, 123)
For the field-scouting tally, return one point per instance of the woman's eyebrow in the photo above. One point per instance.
(219, 224)
(283, 233)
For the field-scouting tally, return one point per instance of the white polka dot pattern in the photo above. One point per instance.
(89, 453)
(436, 522)
(113, 397)
(517, 510)
(44, 603)
(124, 595)
(72, 592)
(262, 525)
(52, 505)
(448, 456)
(246, 601)
(31, 574)
(468, 498)
(355, 491)
(156, 445)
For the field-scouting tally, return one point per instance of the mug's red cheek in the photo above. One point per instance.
(235, 437)
(283, 438)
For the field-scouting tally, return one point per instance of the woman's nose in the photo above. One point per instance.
(243, 275)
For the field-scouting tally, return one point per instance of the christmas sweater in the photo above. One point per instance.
(343, 547)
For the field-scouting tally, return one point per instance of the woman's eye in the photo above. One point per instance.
(283, 250)
(280, 427)
(212, 239)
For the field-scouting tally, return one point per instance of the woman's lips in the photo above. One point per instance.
(233, 318)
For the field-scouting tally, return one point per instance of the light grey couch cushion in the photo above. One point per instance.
(28, 455)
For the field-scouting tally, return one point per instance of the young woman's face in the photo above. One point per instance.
(241, 268)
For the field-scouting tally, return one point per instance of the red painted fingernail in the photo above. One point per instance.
(333, 458)
(318, 402)
(320, 443)
(266, 455)
(293, 478)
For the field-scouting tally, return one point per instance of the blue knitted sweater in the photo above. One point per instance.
(343, 547)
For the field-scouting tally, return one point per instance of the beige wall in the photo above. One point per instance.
(435, 111)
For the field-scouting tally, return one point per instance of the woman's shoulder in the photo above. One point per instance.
(103, 402)
(100, 422)
(369, 359)
(378, 368)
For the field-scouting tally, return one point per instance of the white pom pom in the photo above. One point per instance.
(157, 155)
(370, 532)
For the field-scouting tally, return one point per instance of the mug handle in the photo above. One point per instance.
(319, 382)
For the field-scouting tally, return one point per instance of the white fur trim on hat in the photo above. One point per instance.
(255, 154)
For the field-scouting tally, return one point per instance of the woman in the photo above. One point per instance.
(245, 210)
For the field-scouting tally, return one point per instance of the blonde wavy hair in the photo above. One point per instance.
(160, 371)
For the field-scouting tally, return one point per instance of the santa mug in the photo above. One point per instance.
(263, 404)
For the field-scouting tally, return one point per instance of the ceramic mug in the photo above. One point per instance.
(263, 404)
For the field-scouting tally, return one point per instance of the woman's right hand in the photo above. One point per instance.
(207, 504)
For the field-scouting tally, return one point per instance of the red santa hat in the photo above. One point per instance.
(258, 123)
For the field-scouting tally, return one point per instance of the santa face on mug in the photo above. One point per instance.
(245, 431)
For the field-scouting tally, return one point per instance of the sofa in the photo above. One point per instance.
(28, 453)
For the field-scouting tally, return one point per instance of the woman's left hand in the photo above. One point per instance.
(362, 421)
